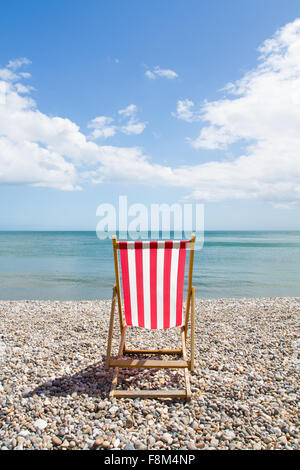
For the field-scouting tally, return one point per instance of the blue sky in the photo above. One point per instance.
(144, 82)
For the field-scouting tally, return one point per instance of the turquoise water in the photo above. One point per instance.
(77, 265)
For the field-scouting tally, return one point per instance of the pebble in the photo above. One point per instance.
(214, 442)
(40, 424)
(257, 446)
(113, 410)
(129, 422)
(200, 445)
(117, 443)
(98, 441)
(56, 441)
(228, 435)
(139, 445)
(167, 438)
(191, 446)
(151, 441)
(129, 446)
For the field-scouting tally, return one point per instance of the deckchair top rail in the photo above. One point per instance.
(148, 244)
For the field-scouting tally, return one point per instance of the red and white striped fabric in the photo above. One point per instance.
(152, 278)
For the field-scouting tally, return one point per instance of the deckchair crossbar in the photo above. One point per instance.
(148, 364)
(153, 351)
(150, 394)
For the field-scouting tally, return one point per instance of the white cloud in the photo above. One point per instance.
(29, 163)
(130, 111)
(7, 75)
(133, 126)
(103, 127)
(25, 75)
(10, 74)
(157, 72)
(185, 110)
(17, 63)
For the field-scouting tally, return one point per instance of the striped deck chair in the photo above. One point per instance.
(152, 281)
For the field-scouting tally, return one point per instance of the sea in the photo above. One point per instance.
(79, 266)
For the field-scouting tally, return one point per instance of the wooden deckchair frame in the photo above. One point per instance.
(183, 363)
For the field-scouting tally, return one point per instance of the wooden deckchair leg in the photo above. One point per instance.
(189, 292)
(116, 263)
(187, 384)
(116, 370)
(193, 330)
(186, 370)
(111, 327)
(187, 314)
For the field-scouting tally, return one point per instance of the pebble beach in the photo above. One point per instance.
(54, 387)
